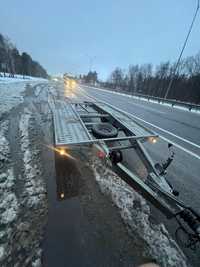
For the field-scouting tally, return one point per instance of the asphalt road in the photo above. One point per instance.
(180, 127)
(176, 124)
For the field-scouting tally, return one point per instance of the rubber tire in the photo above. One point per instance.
(104, 130)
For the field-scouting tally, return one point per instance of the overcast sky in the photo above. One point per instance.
(64, 35)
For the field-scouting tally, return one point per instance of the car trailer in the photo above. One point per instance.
(113, 132)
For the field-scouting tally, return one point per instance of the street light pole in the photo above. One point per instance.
(183, 48)
(91, 61)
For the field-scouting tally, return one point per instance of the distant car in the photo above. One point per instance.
(69, 81)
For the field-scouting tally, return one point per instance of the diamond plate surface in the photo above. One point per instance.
(68, 127)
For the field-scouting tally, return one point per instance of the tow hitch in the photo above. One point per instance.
(162, 168)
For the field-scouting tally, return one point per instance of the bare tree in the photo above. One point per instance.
(117, 78)
(132, 74)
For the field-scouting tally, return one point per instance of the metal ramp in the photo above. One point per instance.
(68, 126)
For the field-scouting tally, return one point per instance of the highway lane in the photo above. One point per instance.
(184, 173)
(181, 127)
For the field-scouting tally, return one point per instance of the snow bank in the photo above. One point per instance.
(9, 206)
(23, 203)
(23, 215)
(11, 94)
(34, 188)
(18, 78)
(135, 212)
(26, 233)
(4, 146)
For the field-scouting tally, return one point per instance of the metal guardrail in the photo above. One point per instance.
(172, 102)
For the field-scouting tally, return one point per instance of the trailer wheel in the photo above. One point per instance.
(116, 156)
(104, 130)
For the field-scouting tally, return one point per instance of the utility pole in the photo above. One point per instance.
(182, 50)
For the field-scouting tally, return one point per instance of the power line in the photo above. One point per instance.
(183, 48)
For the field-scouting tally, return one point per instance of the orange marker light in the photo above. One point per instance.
(153, 140)
(62, 152)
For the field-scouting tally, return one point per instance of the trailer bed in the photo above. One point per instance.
(70, 128)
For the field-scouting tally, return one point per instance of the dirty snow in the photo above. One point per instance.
(34, 187)
(135, 212)
(20, 225)
(11, 94)
(4, 147)
(8, 201)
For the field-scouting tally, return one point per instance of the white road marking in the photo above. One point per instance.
(163, 130)
(162, 137)
(131, 103)
(180, 147)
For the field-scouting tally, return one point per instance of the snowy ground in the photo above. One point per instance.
(19, 78)
(11, 93)
(8, 201)
(22, 189)
(34, 187)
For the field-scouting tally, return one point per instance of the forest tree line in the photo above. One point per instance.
(154, 81)
(91, 77)
(12, 62)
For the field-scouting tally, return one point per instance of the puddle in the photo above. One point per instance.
(63, 240)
